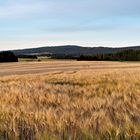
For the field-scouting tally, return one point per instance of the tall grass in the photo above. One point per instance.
(71, 106)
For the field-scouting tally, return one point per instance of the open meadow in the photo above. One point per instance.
(70, 100)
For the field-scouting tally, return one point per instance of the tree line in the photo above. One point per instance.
(27, 56)
(127, 55)
(8, 56)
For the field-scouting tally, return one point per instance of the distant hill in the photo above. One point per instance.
(71, 50)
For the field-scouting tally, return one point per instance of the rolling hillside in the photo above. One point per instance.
(71, 50)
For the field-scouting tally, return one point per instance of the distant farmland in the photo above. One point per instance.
(61, 100)
(61, 66)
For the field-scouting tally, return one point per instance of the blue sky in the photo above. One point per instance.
(34, 23)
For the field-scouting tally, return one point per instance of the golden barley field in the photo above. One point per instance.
(100, 101)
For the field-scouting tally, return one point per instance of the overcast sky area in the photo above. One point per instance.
(35, 23)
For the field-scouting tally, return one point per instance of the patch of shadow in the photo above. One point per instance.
(69, 83)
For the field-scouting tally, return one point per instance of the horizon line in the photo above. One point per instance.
(27, 48)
